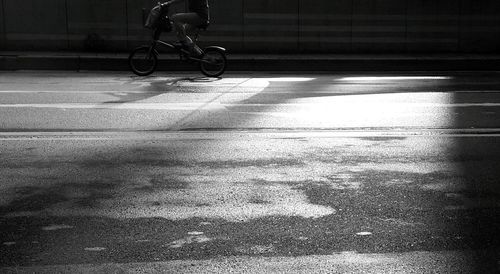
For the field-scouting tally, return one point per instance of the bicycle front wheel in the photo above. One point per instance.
(213, 63)
(143, 61)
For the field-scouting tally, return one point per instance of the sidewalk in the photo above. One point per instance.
(12, 60)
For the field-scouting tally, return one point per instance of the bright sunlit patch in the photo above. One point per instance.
(429, 110)
(392, 78)
(264, 82)
(289, 79)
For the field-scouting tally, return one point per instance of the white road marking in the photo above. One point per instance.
(392, 78)
(269, 133)
(364, 233)
(77, 91)
(56, 227)
(309, 91)
(138, 106)
(219, 105)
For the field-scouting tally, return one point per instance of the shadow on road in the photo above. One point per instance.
(151, 86)
(453, 208)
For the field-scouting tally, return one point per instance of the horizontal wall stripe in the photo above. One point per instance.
(30, 36)
(325, 17)
(290, 16)
(481, 30)
(202, 41)
(34, 36)
(271, 16)
(378, 29)
(325, 39)
(480, 17)
(378, 40)
(370, 17)
(89, 25)
(409, 17)
(228, 28)
(225, 27)
(221, 38)
(433, 18)
(432, 40)
(326, 28)
(323, 23)
(280, 39)
(431, 29)
(274, 28)
(441, 17)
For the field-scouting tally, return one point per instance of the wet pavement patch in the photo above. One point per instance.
(33, 199)
(147, 239)
(165, 182)
(259, 201)
(255, 249)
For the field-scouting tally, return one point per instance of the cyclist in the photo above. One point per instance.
(197, 15)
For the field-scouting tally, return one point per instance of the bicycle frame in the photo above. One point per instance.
(181, 52)
(156, 40)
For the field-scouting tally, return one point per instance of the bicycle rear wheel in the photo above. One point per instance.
(213, 63)
(142, 61)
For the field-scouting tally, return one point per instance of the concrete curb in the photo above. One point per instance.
(240, 62)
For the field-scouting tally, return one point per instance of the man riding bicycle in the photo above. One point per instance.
(197, 15)
(212, 61)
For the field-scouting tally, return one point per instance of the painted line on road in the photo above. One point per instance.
(219, 105)
(81, 91)
(237, 85)
(220, 134)
(140, 106)
(241, 85)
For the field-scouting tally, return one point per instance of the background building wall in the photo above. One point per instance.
(97, 24)
(2, 27)
(433, 25)
(479, 25)
(35, 24)
(263, 26)
(325, 25)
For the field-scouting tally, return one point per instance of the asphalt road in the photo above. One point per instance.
(252, 173)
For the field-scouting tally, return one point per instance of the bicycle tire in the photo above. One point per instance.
(213, 62)
(141, 62)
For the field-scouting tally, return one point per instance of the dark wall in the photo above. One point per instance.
(2, 27)
(334, 26)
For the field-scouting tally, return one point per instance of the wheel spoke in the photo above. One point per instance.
(213, 63)
(143, 61)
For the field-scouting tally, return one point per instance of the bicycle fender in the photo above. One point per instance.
(216, 48)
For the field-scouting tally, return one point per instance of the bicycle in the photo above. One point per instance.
(143, 60)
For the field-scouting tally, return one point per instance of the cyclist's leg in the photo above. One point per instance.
(182, 21)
